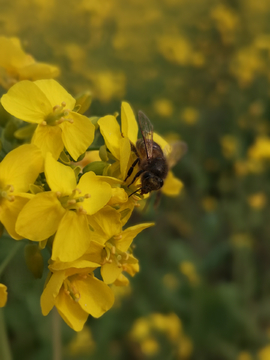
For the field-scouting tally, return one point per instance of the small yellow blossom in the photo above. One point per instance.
(76, 293)
(187, 268)
(18, 171)
(48, 104)
(64, 210)
(260, 149)
(264, 353)
(3, 295)
(16, 65)
(190, 115)
(257, 201)
(229, 146)
(163, 107)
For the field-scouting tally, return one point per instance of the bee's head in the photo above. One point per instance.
(150, 182)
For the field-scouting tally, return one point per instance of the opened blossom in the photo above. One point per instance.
(110, 245)
(47, 104)
(63, 210)
(18, 170)
(16, 65)
(76, 293)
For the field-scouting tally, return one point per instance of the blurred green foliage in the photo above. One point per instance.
(200, 70)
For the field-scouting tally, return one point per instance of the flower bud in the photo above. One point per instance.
(34, 260)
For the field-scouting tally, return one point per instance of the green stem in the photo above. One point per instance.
(10, 256)
(5, 352)
(56, 335)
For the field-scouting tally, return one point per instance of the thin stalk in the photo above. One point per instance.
(5, 352)
(56, 335)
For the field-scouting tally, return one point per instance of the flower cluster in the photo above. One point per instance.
(52, 194)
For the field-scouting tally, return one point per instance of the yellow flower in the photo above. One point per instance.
(48, 104)
(76, 293)
(110, 245)
(64, 210)
(18, 170)
(16, 65)
(118, 142)
(3, 295)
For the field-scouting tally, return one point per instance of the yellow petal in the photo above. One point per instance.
(129, 124)
(21, 167)
(3, 295)
(72, 238)
(106, 223)
(172, 186)
(119, 196)
(59, 177)
(55, 93)
(96, 297)
(125, 152)
(71, 311)
(9, 211)
(122, 280)
(27, 102)
(110, 272)
(129, 234)
(79, 135)
(12, 54)
(81, 263)
(100, 192)
(51, 291)
(161, 142)
(48, 139)
(110, 131)
(40, 217)
(38, 70)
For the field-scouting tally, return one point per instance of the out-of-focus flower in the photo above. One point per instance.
(264, 353)
(260, 149)
(190, 115)
(242, 240)
(16, 65)
(244, 355)
(82, 343)
(226, 22)
(209, 203)
(48, 104)
(163, 107)
(108, 85)
(188, 269)
(18, 171)
(3, 295)
(257, 201)
(229, 145)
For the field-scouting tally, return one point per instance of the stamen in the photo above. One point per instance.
(81, 210)
(71, 202)
(58, 194)
(43, 123)
(63, 103)
(118, 237)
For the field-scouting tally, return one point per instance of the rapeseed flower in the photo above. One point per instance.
(18, 170)
(47, 104)
(110, 245)
(16, 65)
(76, 293)
(3, 295)
(64, 210)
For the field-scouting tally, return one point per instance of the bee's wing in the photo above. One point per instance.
(174, 152)
(147, 129)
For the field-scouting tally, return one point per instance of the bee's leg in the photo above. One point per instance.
(136, 176)
(132, 168)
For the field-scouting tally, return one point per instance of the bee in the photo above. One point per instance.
(153, 164)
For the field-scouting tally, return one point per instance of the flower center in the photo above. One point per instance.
(58, 116)
(71, 290)
(72, 202)
(6, 193)
(114, 254)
